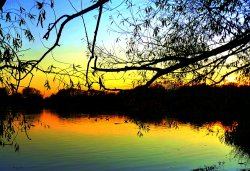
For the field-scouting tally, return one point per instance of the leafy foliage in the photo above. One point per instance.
(15, 31)
(11, 124)
(185, 40)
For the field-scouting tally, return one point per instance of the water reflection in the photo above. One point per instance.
(238, 136)
(11, 123)
(77, 141)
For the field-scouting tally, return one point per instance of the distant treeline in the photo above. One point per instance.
(29, 98)
(197, 101)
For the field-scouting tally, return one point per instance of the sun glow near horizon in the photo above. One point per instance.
(73, 52)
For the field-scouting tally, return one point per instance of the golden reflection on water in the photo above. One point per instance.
(95, 142)
(176, 140)
(113, 125)
(102, 125)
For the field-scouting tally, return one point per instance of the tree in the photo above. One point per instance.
(189, 41)
(31, 92)
(14, 30)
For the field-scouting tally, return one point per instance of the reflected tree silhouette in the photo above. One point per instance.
(219, 166)
(171, 123)
(143, 128)
(238, 137)
(11, 124)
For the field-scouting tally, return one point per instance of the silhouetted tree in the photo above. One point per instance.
(3, 92)
(32, 97)
(15, 30)
(29, 92)
(4, 96)
(190, 41)
(185, 41)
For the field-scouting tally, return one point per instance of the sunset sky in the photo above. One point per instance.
(73, 48)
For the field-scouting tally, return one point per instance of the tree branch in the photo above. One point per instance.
(69, 18)
(126, 68)
(231, 72)
(93, 45)
(231, 45)
(2, 2)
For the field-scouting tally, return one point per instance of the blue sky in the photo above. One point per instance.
(72, 46)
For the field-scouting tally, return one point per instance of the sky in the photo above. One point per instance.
(73, 48)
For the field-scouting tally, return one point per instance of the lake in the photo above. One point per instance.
(49, 141)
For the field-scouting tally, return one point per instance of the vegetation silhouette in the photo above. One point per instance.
(29, 100)
(174, 49)
(219, 166)
(238, 137)
(11, 124)
(155, 46)
(15, 29)
(200, 102)
(12, 119)
(180, 41)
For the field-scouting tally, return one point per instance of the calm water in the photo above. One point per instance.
(110, 142)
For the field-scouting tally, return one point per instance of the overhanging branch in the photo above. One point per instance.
(68, 19)
(231, 45)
